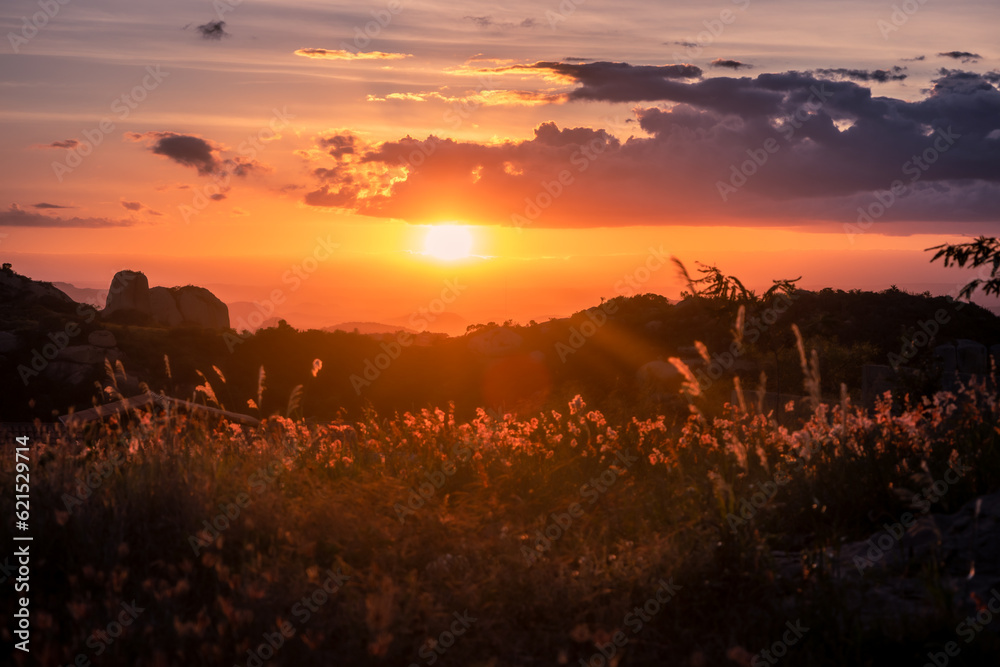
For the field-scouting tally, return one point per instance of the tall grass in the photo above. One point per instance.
(341, 498)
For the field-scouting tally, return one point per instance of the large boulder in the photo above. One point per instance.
(199, 306)
(168, 306)
(129, 290)
(102, 338)
(164, 307)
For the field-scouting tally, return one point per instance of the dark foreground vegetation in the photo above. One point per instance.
(425, 539)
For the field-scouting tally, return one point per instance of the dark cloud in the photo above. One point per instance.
(213, 30)
(896, 73)
(47, 205)
(964, 56)
(730, 64)
(64, 143)
(217, 196)
(487, 22)
(203, 155)
(616, 82)
(184, 149)
(338, 145)
(136, 206)
(576, 60)
(16, 216)
(686, 45)
(914, 59)
(832, 146)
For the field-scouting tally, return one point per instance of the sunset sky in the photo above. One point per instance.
(306, 147)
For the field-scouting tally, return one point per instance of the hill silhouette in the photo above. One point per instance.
(598, 352)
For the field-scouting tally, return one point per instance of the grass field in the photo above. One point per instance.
(565, 538)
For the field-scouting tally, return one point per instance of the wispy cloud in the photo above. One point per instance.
(342, 54)
(15, 216)
(730, 64)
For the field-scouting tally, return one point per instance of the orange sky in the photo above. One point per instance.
(149, 138)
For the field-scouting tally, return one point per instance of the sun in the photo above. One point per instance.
(448, 242)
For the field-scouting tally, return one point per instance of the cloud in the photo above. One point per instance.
(880, 75)
(914, 59)
(136, 206)
(731, 64)
(15, 216)
(487, 22)
(213, 30)
(64, 143)
(341, 54)
(832, 145)
(964, 56)
(611, 81)
(479, 98)
(193, 151)
(44, 205)
(188, 150)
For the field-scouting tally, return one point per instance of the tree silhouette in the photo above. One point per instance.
(984, 251)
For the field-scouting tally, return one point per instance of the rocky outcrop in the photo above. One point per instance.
(169, 306)
(164, 307)
(197, 305)
(102, 338)
(129, 291)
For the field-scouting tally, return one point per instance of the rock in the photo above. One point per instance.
(947, 355)
(199, 306)
(82, 354)
(971, 357)
(164, 307)
(169, 307)
(129, 290)
(102, 338)
(8, 341)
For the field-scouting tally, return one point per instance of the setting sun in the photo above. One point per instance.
(448, 242)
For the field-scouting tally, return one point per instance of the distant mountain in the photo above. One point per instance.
(448, 323)
(368, 328)
(89, 295)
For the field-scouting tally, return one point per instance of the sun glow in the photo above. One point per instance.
(448, 242)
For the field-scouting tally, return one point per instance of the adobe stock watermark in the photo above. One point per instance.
(915, 168)
(460, 110)
(968, 629)
(714, 28)
(900, 16)
(432, 651)
(581, 159)
(60, 340)
(294, 277)
(566, 9)
(880, 544)
(258, 482)
(779, 649)
(363, 35)
(302, 611)
(591, 492)
(420, 494)
(122, 106)
(419, 320)
(627, 286)
(740, 174)
(247, 149)
(635, 621)
(48, 9)
(756, 325)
